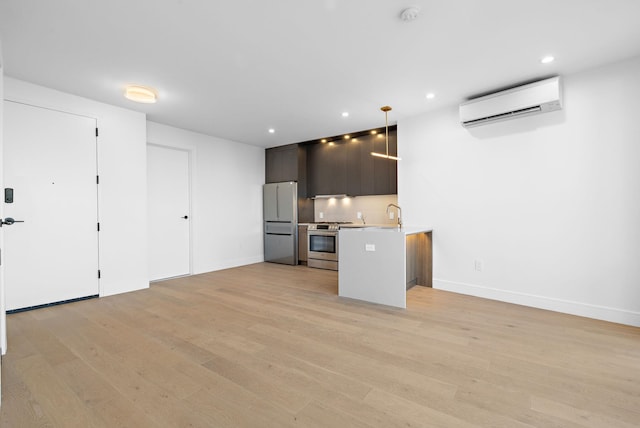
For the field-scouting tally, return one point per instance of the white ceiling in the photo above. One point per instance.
(233, 69)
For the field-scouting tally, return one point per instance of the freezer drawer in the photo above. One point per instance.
(279, 228)
(280, 249)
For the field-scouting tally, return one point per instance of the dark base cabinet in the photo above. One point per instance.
(302, 245)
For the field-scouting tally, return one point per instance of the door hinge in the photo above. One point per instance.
(96, 132)
(98, 226)
(98, 273)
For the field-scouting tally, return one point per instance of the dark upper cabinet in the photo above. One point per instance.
(385, 171)
(353, 153)
(393, 164)
(281, 164)
(327, 169)
(378, 176)
(289, 163)
(318, 178)
(341, 167)
(367, 165)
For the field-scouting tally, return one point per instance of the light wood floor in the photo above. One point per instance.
(271, 345)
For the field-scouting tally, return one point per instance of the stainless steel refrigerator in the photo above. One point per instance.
(280, 203)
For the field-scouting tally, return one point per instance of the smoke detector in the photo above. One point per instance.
(409, 14)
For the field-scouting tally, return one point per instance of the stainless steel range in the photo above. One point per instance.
(322, 243)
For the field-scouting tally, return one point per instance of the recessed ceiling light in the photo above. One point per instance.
(346, 137)
(374, 132)
(141, 94)
(271, 130)
(430, 96)
(345, 114)
(547, 59)
(324, 140)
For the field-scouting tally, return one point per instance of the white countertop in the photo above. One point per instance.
(359, 225)
(406, 230)
(354, 225)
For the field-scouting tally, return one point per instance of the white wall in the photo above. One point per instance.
(226, 188)
(549, 204)
(122, 195)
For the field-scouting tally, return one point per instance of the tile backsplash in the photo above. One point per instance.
(373, 209)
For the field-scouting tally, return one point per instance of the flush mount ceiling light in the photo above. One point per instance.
(141, 94)
(409, 14)
(345, 114)
(386, 110)
(430, 96)
(271, 130)
(547, 59)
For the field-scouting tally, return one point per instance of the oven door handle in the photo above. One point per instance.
(322, 233)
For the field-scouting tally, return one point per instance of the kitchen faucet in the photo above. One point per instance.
(399, 213)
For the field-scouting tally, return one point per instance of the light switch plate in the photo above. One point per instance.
(321, 214)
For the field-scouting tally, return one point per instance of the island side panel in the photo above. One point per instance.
(374, 276)
(413, 260)
(425, 257)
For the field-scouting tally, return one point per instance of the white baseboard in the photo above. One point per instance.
(228, 264)
(588, 310)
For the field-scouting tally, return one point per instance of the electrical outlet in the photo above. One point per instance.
(369, 247)
(321, 214)
(359, 215)
(392, 215)
(478, 265)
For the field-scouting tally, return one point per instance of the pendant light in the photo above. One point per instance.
(386, 110)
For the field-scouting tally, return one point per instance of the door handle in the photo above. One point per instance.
(9, 221)
(185, 217)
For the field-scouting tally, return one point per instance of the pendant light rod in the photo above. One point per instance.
(386, 110)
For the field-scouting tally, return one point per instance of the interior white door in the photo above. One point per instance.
(50, 162)
(168, 188)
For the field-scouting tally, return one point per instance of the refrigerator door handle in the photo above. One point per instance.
(277, 202)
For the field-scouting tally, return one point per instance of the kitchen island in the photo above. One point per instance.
(379, 264)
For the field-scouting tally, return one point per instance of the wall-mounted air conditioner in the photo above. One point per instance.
(533, 98)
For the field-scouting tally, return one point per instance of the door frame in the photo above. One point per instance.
(3, 314)
(191, 176)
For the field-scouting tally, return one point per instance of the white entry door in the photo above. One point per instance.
(169, 212)
(50, 162)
